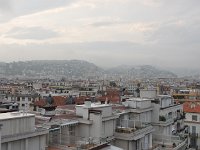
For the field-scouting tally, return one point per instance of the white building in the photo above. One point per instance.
(134, 130)
(167, 119)
(97, 121)
(193, 121)
(18, 132)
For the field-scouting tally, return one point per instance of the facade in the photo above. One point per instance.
(134, 130)
(18, 132)
(167, 120)
(192, 120)
(97, 121)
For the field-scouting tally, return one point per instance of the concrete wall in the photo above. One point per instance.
(165, 112)
(163, 130)
(83, 111)
(84, 130)
(108, 128)
(34, 143)
(148, 93)
(106, 111)
(156, 112)
(145, 116)
(189, 116)
(121, 143)
(141, 104)
(166, 101)
(96, 127)
(18, 125)
(144, 143)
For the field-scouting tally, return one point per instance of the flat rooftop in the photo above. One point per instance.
(14, 115)
(95, 105)
(138, 99)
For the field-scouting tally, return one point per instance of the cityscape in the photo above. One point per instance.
(99, 75)
(98, 112)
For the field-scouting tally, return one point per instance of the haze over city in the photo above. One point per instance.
(106, 32)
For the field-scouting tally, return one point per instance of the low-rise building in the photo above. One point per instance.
(167, 119)
(134, 129)
(18, 132)
(192, 110)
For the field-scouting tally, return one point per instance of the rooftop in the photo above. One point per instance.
(13, 115)
(138, 99)
(95, 105)
(191, 107)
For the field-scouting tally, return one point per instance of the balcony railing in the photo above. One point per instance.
(194, 135)
(170, 142)
(134, 124)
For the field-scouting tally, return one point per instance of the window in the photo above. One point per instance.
(194, 117)
(193, 129)
(71, 130)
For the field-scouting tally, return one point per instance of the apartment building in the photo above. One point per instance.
(167, 119)
(192, 120)
(96, 121)
(134, 130)
(18, 132)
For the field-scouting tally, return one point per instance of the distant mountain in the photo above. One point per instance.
(76, 69)
(50, 68)
(145, 71)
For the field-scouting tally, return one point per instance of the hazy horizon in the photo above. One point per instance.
(105, 32)
(178, 71)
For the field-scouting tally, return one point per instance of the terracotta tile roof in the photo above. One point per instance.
(40, 103)
(111, 98)
(80, 100)
(192, 106)
(58, 101)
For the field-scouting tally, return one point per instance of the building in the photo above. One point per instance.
(96, 121)
(18, 132)
(192, 110)
(134, 129)
(168, 118)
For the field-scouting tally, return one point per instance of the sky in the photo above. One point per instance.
(164, 33)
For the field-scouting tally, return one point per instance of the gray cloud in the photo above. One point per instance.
(168, 32)
(5, 5)
(16, 8)
(183, 32)
(107, 53)
(35, 33)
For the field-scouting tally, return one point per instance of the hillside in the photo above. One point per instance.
(76, 69)
(144, 71)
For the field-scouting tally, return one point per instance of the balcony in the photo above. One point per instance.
(193, 135)
(179, 117)
(70, 142)
(170, 142)
(132, 134)
(164, 121)
(132, 130)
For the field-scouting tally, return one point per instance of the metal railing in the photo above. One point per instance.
(62, 140)
(132, 124)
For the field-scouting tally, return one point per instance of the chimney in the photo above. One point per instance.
(88, 103)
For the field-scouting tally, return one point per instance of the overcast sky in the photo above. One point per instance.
(106, 32)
